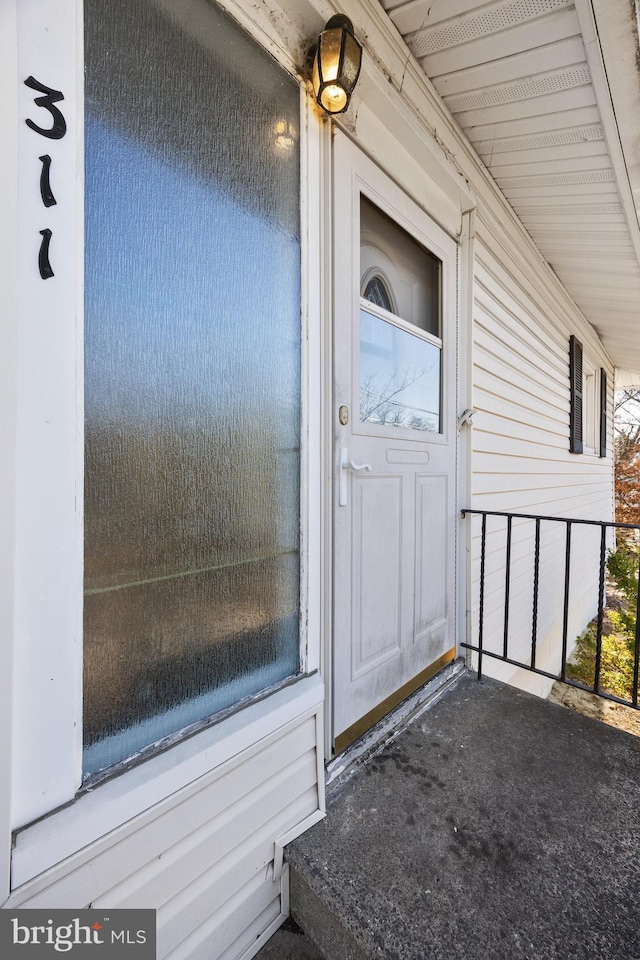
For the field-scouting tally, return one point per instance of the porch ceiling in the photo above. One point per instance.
(548, 94)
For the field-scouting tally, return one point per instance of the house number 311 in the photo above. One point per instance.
(55, 131)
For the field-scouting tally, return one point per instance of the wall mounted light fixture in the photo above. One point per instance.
(336, 65)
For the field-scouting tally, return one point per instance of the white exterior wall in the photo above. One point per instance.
(520, 453)
(203, 857)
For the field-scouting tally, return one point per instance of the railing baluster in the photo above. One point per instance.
(483, 550)
(565, 612)
(603, 557)
(536, 581)
(507, 587)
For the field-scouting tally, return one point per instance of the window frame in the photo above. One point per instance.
(590, 394)
(602, 427)
(443, 342)
(47, 743)
(9, 174)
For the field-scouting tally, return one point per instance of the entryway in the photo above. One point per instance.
(395, 444)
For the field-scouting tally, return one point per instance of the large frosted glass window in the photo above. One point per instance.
(192, 372)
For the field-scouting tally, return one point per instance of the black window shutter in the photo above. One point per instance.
(575, 379)
(603, 413)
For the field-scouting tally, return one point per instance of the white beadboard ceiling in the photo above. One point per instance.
(548, 93)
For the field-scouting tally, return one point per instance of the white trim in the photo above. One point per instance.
(8, 409)
(590, 406)
(285, 891)
(289, 836)
(257, 945)
(277, 922)
(48, 587)
(105, 808)
(597, 69)
(279, 866)
(464, 473)
(328, 412)
(406, 325)
(311, 527)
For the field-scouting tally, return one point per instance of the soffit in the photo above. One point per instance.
(527, 83)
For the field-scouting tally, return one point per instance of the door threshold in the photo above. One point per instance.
(370, 719)
(386, 729)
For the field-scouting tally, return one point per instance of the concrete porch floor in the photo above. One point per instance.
(496, 825)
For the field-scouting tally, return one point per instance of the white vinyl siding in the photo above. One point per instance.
(521, 461)
(203, 858)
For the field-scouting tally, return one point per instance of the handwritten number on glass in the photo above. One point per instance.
(48, 101)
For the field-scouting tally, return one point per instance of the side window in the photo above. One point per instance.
(192, 441)
(588, 403)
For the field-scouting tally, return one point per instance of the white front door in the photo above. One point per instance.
(395, 438)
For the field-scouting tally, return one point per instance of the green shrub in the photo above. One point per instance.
(616, 663)
(623, 569)
(618, 640)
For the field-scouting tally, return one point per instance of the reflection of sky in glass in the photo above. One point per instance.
(399, 377)
(175, 291)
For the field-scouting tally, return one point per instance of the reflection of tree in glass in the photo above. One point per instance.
(379, 403)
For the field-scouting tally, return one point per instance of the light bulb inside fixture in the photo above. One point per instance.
(333, 98)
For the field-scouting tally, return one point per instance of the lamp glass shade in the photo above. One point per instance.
(351, 61)
(315, 74)
(330, 48)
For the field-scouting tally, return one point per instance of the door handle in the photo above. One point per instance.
(346, 464)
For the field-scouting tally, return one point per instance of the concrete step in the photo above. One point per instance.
(288, 943)
(496, 826)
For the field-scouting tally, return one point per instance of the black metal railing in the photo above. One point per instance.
(570, 523)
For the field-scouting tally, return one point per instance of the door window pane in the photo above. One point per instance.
(411, 273)
(399, 377)
(192, 372)
(400, 371)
